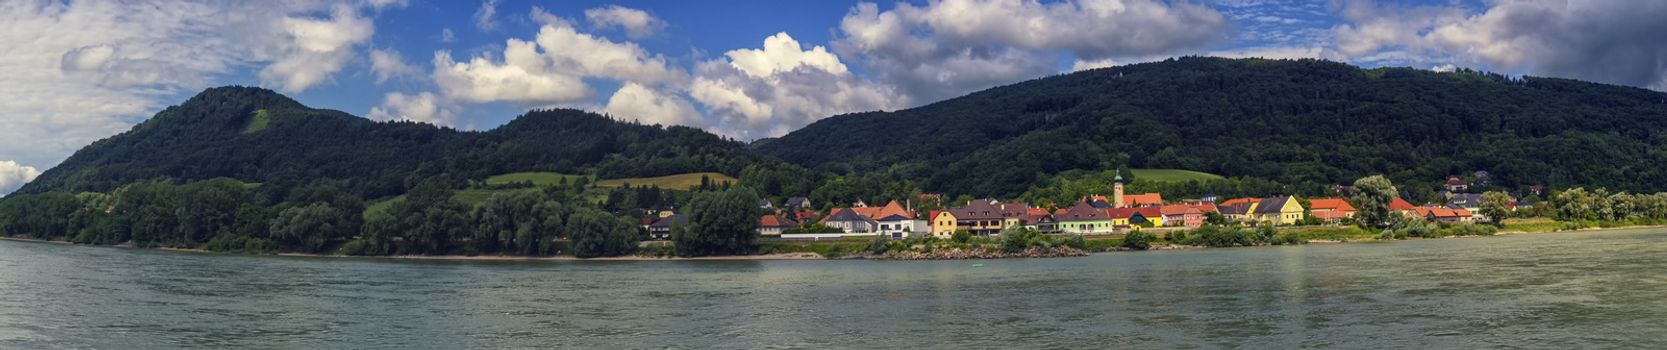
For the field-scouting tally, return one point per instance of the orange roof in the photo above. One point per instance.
(1036, 211)
(1441, 212)
(1337, 204)
(1124, 213)
(1150, 212)
(892, 209)
(1399, 204)
(1235, 201)
(775, 221)
(1133, 200)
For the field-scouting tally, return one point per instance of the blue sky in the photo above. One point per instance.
(79, 71)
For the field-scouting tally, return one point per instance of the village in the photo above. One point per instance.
(797, 219)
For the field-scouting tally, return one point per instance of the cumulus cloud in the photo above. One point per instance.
(636, 23)
(423, 107)
(550, 69)
(783, 86)
(640, 103)
(79, 71)
(13, 176)
(318, 48)
(952, 47)
(387, 64)
(1615, 42)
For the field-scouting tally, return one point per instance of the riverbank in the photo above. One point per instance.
(854, 249)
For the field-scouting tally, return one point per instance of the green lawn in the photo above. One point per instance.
(1171, 175)
(679, 181)
(536, 178)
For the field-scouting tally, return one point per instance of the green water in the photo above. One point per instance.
(1554, 291)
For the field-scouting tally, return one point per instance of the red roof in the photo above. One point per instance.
(1399, 204)
(776, 221)
(1441, 212)
(1236, 201)
(1135, 200)
(1182, 209)
(1337, 204)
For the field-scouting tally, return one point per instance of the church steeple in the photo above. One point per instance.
(1117, 190)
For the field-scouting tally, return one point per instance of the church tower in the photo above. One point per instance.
(1117, 190)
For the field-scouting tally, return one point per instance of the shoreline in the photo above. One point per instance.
(759, 257)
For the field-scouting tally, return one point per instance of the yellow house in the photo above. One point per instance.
(943, 224)
(1278, 210)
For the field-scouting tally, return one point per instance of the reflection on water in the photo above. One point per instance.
(1542, 291)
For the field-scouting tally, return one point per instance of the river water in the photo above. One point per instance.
(1554, 291)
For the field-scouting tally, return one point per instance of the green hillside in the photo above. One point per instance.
(535, 178)
(679, 181)
(1172, 175)
(1303, 123)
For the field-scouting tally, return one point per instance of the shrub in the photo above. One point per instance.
(961, 236)
(880, 245)
(1076, 241)
(1138, 240)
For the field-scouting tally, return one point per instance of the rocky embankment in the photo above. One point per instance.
(964, 254)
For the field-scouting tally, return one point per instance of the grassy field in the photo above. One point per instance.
(536, 178)
(1171, 175)
(1534, 225)
(467, 197)
(259, 122)
(679, 181)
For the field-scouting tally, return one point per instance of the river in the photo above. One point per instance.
(1566, 290)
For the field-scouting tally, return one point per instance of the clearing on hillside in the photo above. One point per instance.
(1172, 175)
(536, 178)
(679, 181)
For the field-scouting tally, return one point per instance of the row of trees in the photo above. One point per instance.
(226, 215)
(1579, 204)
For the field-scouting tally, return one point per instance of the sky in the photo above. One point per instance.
(73, 72)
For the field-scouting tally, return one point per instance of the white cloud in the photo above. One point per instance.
(80, 71)
(387, 64)
(484, 14)
(782, 86)
(636, 23)
(13, 175)
(1275, 52)
(640, 103)
(446, 35)
(1615, 42)
(319, 48)
(423, 107)
(382, 4)
(1082, 65)
(952, 47)
(551, 68)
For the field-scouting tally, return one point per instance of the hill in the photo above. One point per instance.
(1305, 123)
(259, 136)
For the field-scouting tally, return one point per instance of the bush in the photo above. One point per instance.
(1138, 240)
(880, 245)
(1076, 241)
(961, 236)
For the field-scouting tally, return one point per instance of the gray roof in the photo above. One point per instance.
(1272, 205)
(797, 201)
(674, 220)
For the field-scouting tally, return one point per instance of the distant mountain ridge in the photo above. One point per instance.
(259, 136)
(1302, 122)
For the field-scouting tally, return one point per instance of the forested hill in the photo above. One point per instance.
(258, 136)
(1305, 122)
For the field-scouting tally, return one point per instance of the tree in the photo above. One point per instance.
(1496, 205)
(1372, 195)
(596, 233)
(308, 229)
(720, 223)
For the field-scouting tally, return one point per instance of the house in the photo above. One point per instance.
(1098, 201)
(896, 222)
(1237, 201)
(1280, 210)
(943, 223)
(1454, 184)
(1013, 214)
(1209, 198)
(851, 222)
(979, 217)
(1331, 209)
(1142, 216)
(1083, 219)
(1482, 177)
(1141, 200)
(1401, 206)
(805, 215)
(1443, 214)
(1236, 212)
(764, 203)
(774, 225)
(1041, 220)
(1188, 215)
(796, 203)
(1468, 201)
(1536, 190)
(661, 229)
